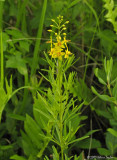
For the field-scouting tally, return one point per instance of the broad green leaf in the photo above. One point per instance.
(42, 111)
(85, 144)
(17, 62)
(111, 145)
(15, 33)
(103, 152)
(104, 113)
(112, 131)
(108, 41)
(29, 148)
(33, 130)
(81, 90)
(24, 45)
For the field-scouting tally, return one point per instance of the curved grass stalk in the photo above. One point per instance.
(39, 35)
(1, 47)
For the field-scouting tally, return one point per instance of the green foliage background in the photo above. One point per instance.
(23, 30)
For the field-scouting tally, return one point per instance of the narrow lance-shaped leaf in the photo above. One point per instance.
(104, 97)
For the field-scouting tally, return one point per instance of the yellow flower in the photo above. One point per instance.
(59, 48)
(65, 41)
(51, 52)
(67, 53)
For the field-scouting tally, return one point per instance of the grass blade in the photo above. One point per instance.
(39, 35)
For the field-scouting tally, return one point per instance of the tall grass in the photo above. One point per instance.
(39, 35)
(1, 46)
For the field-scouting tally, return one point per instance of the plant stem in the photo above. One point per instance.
(39, 35)
(1, 46)
(88, 56)
(60, 76)
(25, 96)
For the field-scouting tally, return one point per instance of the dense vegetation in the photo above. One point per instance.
(58, 79)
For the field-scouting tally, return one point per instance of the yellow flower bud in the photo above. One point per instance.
(52, 20)
(49, 30)
(51, 25)
(63, 25)
(64, 34)
(64, 28)
(66, 22)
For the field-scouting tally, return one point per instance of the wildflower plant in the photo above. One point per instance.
(56, 112)
(57, 115)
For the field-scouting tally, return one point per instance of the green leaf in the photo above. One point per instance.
(78, 139)
(103, 113)
(9, 87)
(99, 77)
(108, 41)
(33, 130)
(3, 100)
(112, 131)
(85, 144)
(16, 157)
(80, 89)
(24, 45)
(42, 111)
(16, 116)
(115, 91)
(6, 147)
(56, 154)
(27, 145)
(103, 152)
(104, 97)
(112, 145)
(111, 14)
(73, 3)
(17, 62)
(91, 132)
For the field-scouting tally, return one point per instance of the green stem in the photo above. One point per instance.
(1, 47)
(2, 61)
(25, 96)
(60, 76)
(109, 89)
(39, 35)
(88, 56)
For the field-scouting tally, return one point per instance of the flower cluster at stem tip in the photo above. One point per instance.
(59, 48)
